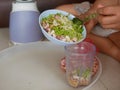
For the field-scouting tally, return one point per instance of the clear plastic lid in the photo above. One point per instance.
(24, 5)
(24, 1)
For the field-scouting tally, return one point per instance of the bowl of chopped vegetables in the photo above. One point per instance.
(61, 27)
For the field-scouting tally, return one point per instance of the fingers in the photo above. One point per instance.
(112, 26)
(90, 25)
(109, 17)
(104, 20)
(108, 22)
(107, 10)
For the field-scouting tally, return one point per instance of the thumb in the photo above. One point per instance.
(90, 25)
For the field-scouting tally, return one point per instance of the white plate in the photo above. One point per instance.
(34, 66)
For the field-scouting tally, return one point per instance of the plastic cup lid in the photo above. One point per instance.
(24, 1)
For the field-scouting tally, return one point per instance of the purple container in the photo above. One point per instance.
(24, 23)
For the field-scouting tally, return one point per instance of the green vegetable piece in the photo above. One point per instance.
(86, 73)
(77, 21)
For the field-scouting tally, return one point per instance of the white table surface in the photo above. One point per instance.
(109, 79)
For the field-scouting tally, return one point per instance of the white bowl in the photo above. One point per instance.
(46, 13)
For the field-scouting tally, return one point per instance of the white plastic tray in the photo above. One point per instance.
(35, 66)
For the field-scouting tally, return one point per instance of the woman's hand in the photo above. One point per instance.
(109, 17)
(90, 25)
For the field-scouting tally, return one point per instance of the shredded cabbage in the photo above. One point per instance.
(63, 26)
